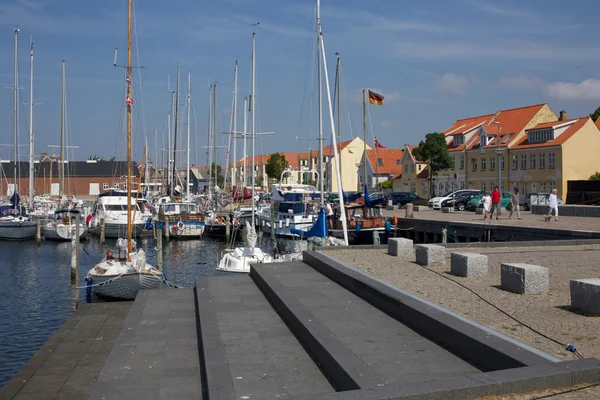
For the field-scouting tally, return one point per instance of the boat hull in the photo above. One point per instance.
(21, 230)
(285, 229)
(124, 287)
(117, 230)
(239, 260)
(364, 236)
(62, 232)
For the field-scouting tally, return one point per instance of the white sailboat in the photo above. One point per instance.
(240, 258)
(123, 277)
(14, 222)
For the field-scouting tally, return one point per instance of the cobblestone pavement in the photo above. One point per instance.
(528, 219)
(548, 313)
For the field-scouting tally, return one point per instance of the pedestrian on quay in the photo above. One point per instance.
(514, 204)
(487, 201)
(329, 214)
(495, 202)
(553, 204)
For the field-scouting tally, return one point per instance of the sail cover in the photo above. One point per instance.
(319, 229)
(251, 236)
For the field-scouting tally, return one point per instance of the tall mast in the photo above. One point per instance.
(244, 183)
(61, 169)
(31, 169)
(209, 130)
(16, 110)
(128, 102)
(175, 128)
(189, 107)
(235, 85)
(252, 103)
(146, 163)
(320, 95)
(169, 134)
(214, 121)
(364, 137)
(339, 115)
(156, 154)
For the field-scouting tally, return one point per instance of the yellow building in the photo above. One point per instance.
(414, 175)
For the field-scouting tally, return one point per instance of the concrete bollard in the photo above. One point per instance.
(409, 210)
(585, 295)
(430, 254)
(468, 264)
(401, 247)
(102, 237)
(376, 238)
(524, 278)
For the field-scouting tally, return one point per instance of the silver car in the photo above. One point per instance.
(525, 200)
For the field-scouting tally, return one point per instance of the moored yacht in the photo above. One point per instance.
(112, 207)
(62, 225)
(185, 221)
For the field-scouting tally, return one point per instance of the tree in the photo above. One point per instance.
(595, 115)
(433, 151)
(220, 179)
(386, 185)
(95, 157)
(259, 181)
(595, 177)
(275, 166)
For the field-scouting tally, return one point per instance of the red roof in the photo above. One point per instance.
(571, 130)
(389, 160)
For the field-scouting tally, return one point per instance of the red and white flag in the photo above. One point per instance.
(129, 100)
(378, 145)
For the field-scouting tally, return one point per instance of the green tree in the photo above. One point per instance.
(595, 177)
(595, 115)
(386, 185)
(433, 151)
(220, 179)
(259, 181)
(275, 166)
(95, 157)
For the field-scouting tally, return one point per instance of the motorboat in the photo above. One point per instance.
(184, 220)
(112, 207)
(239, 259)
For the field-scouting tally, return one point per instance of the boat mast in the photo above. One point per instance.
(320, 95)
(146, 163)
(61, 169)
(128, 102)
(252, 101)
(235, 88)
(169, 134)
(16, 111)
(214, 137)
(31, 169)
(156, 154)
(244, 183)
(364, 139)
(339, 115)
(189, 99)
(175, 131)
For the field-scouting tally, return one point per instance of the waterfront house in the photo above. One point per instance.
(413, 176)
(382, 165)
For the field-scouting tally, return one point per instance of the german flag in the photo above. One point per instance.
(375, 98)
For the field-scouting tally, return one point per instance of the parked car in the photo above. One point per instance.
(461, 199)
(525, 200)
(436, 202)
(476, 202)
(400, 199)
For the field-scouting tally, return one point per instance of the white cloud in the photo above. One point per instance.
(490, 8)
(452, 83)
(387, 124)
(588, 90)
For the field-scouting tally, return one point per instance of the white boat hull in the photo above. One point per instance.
(284, 229)
(126, 286)
(62, 232)
(189, 230)
(240, 258)
(118, 229)
(17, 229)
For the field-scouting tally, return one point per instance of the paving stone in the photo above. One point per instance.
(468, 264)
(401, 247)
(585, 295)
(524, 278)
(430, 254)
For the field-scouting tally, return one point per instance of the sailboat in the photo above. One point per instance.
(14, 222)
(61, 226)
(240, 258)
(124, 276)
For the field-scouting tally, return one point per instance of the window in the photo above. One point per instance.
(474, 164)
(412, 167)
(515, 162)
(424, 187)
(542, 186)
(397, 162)
(502, 186)
(542, 160)
(551, 160)
(115, 185)
(483, 187)
(413, 187)
(532, 161)
(125, 186)
(524, 188)
(502, 163)
(420, 167)
(459, 139)
(552, 184)
(523, 161)
(453, 160)
(483, 163)
(492, 185)
(506, 138)
(462, 185)
(105, 186)
(380, 162)
(462, 162)
(492, 163)
(406, 167)
(533, 187)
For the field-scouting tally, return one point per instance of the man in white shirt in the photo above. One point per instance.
(329, 211)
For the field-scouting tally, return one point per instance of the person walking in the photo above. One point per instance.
(553, 203)
(486, 200)
(495, 202)
(514, 204)
(329, 214)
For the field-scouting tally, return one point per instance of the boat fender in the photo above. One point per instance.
(90, 283)
(358, 223)
(180, 226)
(395, 220)
(149, 225)
(387, 226)
(174, 227)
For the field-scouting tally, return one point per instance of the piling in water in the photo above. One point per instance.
(38, 232)
(101, 230)
(167, 228)
(159, 245)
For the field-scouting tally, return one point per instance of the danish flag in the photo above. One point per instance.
(129, 100)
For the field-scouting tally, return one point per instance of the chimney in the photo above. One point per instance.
(563, 116)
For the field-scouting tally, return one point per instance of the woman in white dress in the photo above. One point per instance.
(553, 204)
(487, 203)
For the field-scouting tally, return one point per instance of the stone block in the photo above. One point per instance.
(447, 210)
(585, 295)
(479, 211)
(420, 208)
(524, 278)
(401, 247)
(468, 264)
(430, 254)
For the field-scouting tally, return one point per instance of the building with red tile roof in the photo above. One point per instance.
(382, 165)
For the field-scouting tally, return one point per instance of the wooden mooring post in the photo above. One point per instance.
(38, 232)
(75, 258)
(101, 230)
(167, 228)
(159, 244)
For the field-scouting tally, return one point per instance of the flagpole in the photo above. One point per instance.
(364, 139)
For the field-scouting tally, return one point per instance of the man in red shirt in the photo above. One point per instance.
(495, 202)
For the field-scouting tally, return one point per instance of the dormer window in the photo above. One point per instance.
(540, 135)
(483, 138)
(459, 139)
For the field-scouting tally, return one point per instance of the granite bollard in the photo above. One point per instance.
(468, 264)
(401, 247)
(430, 254)
(585, 295)
(524, 278)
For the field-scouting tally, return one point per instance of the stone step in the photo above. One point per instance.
(247, 350)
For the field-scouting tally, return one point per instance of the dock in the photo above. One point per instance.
(312, 330)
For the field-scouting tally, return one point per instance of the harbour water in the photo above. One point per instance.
(37, 296)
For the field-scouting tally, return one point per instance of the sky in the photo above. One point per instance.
(434, 62)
